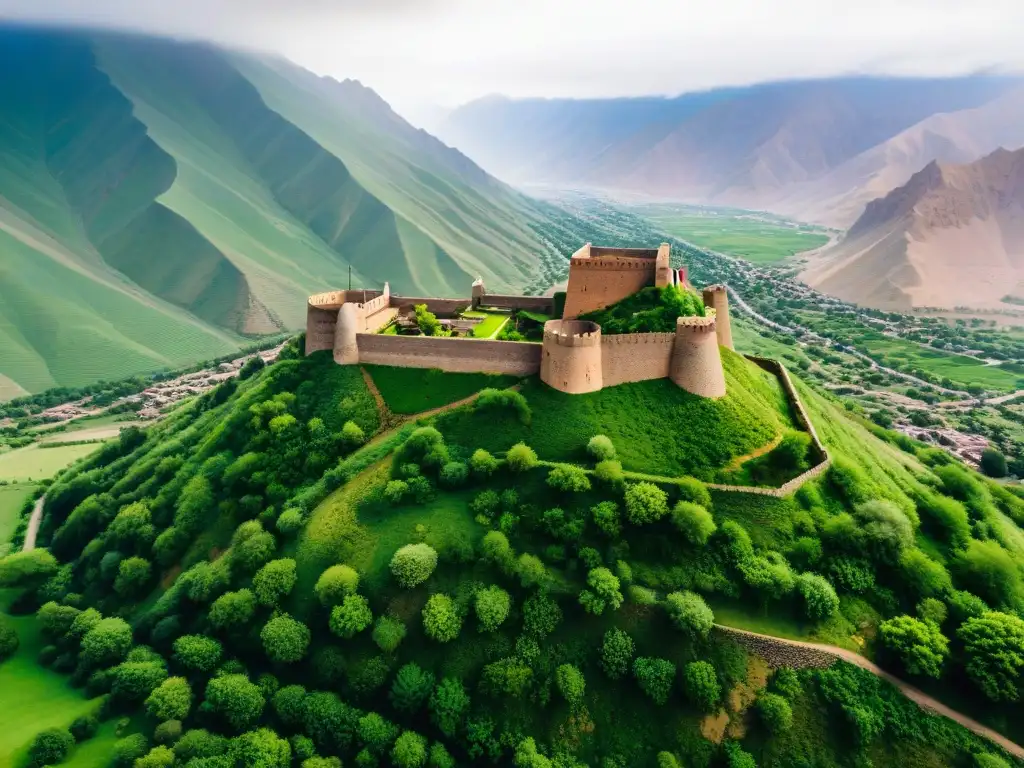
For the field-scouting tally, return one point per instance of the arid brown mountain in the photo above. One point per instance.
(798, 148)
(953, 235)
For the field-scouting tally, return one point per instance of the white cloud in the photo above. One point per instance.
(416, 52)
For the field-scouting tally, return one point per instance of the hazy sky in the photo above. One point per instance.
(420, 52)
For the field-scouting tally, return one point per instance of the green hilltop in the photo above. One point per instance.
(297, 568)
(162, 202)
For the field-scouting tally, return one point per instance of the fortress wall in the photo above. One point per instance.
(334, 299)
(320, 325)
(435, 305)
(636, 357)
(663, 273)
(544, 304)
(595, 283)
(571, 360)
(716, 297)
(696, 360)
(450, 354)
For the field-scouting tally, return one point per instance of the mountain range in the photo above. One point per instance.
(161, 202)
(953, 235)
(815, 150)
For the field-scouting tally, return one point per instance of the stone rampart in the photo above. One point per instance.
(779, 653)
(636, 357)
(435, 305)
(571, 358)
(450, 354)
(542, 304)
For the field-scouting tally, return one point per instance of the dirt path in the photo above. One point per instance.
(33, 525)
(739, 461)
(916, 695)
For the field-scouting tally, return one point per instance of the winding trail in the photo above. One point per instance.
(33, 525)
(916, 695)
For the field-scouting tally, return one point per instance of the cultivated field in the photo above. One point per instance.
(760, 239)
(35, 463)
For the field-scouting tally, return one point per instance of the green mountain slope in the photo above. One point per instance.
(212, 193)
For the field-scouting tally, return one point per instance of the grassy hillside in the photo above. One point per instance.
(160, 202)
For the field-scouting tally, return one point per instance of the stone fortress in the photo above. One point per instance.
(573, 356)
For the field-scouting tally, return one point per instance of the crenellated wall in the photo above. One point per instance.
(636, 357)
(437, 306)
(456, 355)
(542, 304)
(601, 276)
(571, 360)
(334, 318)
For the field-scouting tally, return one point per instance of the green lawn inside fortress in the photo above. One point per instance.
(762, 239)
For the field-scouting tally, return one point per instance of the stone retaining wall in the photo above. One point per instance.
(543, 304)
(777, 652)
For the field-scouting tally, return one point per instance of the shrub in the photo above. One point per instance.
(884, 530)
(994, 654)
(396, 491)
(482, 463)
(571, 684)
(775, 712)
(233, 609)
(521, 457)
(642, 595)
(351, 617)
(568, 479)
(616, 653)
(51, 746)
(486, 503)
(285, 639)
(932, 610)
(693, 490)
(239, 701)
(352, 435)
(690, 613)
(411, 688)
(290, 522)
(8, 639)
(606, 517)
(171, 700)
(920, 645)
(989, 571)
(654, 677)
(600, 448)
(645, 503)
(541, 615)
(274, 581)
(413, 564)
(335, 583)
(610, 472)
(926, 577)
(492, 606)
(388, 634)
(449, 704)
(819, 596)
(694, 522)
(106, 643)
(454, 474)
(491, 398)
(993, 463)
(701, 685)
(376, 732)
(198, 652)
(84, 727)
(410, 751)
(531, 571)
(603, 592)
(441, 620)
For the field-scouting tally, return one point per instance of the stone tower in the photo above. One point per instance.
(571, 356)
(478, 291)
(717, 298)
(346, 351)
(662, 268)
(696, 362)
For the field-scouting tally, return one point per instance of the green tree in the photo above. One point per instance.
(335, 583)
(541, 615)
(926, 577)
(571, 684)
(606, 517)
(454, 474)
(27, 568)
(737, 757)
(285, 639)
(252, 548)
(411, 688)
(106, 643)
(441, 620)
(233, 609)
(645, 503)
(51, 746)
(396, 491)
(274, 581)
(129, 749)
(439, 757)
(413, 564)
(920, 645)
(410, 751)
(994, 653)
(289, 703)
(449, 704)
(482, 463)
(568, 478)
(171, 700)
(993, 463)
(521, 457)
(198, 652)
(527, 755)
(55, 619)
(352, 435)
(819, 596)
(290, 522)
(376, 732)
(261, 748)
(694, 522)
(884, 530)
(601, 448)
(388, 633)
(603, 592)
(9, 641)
(667, 760)
(131, 527)
(531, 571)
(989, 571)
(701, 685)
(492, 605)
(157, 757)
(236, 699)
(654, 677)
(775, 712)
(351, 617)
(932, 610)
(617, 651)
(690, 613)
(610, 472)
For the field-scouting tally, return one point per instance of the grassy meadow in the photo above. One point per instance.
(12, 497)
(762, 239)
(413, 390)
(35, 462)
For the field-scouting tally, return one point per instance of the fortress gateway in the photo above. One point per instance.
(573, 356)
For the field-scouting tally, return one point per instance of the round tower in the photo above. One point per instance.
(717, 298)
(571, 356)
(346, 351)
(696, 362)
